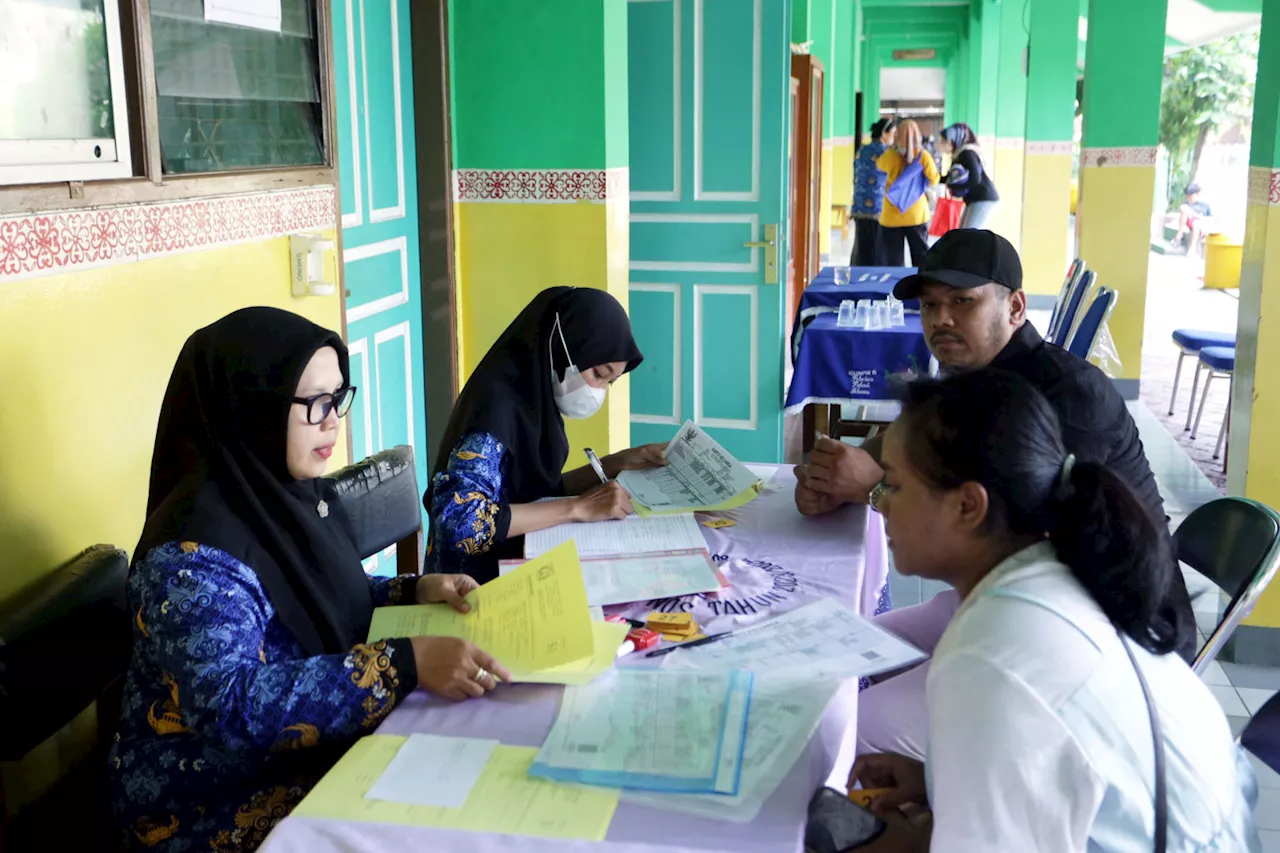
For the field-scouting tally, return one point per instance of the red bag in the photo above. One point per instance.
(946, 216)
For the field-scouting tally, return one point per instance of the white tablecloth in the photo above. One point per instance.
(777, 560)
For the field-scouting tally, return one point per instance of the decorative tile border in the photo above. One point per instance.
(987, 142)
(1009, 143)
(1264, 185)
(50, 243)
(1041, 149)
(837, 141)
(1135, 156)
(540, 186)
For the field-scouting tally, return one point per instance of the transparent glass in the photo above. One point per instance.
(54, 78)
(232, 97)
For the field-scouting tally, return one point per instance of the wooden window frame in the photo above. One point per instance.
(149, 183)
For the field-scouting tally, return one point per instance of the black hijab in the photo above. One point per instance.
(219, 475)
(511, 395)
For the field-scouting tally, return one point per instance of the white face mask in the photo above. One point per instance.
(574, 397)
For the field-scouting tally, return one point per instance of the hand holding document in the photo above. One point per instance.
(653, 730)
(502, 798)
(822, 639)
(531, 619)
(700, 476)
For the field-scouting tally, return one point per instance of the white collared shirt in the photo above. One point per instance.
(1039, 737)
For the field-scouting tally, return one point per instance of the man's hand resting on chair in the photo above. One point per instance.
(836, 474)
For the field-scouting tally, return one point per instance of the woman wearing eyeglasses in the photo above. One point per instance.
(251, 673)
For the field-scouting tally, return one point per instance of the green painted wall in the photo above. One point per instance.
(843, 83)
(857, 45)
(821, 21)
(1124, 60)
(988, 43)
(800, 16)
(1265, 148)
(535, 103)
(1051, 85)
(1011, 106)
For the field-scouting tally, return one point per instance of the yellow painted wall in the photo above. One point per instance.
(84, 360)
(842, 174)
(508, 253)
(1007, 220)
(1046, 206)
(1115, 239)
(824, 201)
(1262, 480)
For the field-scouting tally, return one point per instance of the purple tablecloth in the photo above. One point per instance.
(843, 555)
(839, 366)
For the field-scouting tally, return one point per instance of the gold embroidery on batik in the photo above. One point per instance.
(168, 721)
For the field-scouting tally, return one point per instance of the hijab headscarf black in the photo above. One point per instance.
(219, 475)
(511, 394)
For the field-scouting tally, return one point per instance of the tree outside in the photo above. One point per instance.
(1206, 89)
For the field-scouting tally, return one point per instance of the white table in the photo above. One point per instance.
(778, 560)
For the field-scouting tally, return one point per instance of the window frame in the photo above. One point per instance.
(145, 180)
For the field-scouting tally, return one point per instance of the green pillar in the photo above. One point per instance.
(1254, 459)
(1124, 68)
(870, 83)
(985, 74)
(1046, 184)
(546, 181)
(1011, 118)
(800, 17)
(842, 105)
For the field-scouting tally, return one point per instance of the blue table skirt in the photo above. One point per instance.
(824, 296)
(848, 366)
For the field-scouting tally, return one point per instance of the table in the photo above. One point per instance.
(843, 555)
(824, 296)
(841, 365)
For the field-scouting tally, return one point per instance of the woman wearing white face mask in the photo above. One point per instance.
(505, 446)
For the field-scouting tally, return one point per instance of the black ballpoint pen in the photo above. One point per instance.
(657, 653)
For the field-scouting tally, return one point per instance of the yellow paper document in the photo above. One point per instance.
(609, 637)
(505, 798)
(531, 619)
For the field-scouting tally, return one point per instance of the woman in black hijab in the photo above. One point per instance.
(250, 672)
(505, 446)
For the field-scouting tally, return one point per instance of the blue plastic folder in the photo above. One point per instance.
(652, 730)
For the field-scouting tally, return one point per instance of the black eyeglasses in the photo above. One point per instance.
(319, 406)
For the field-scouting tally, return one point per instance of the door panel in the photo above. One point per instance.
(709, 101)
(380, 230)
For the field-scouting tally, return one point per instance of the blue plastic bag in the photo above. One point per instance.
(909, 186)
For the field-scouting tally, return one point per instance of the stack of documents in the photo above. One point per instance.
(535, 621)
(629, 537)
(643, 577)
(652, 730)
(700, 476)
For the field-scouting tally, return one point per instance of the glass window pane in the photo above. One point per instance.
(233, 97)
(54, 80)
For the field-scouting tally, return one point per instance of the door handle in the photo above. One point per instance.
(770, 244)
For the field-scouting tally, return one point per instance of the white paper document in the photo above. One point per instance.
(699, 475)
(258, 14)
(431, 770)
(820, 639)
(784, 715)
(650, 729)
(622, 580)
(633, 535)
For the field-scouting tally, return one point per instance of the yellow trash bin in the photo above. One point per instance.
(1222, 258)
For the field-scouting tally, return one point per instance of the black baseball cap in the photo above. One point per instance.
(965, 258)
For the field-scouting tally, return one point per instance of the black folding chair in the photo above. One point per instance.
(1261, 735)
(1234, 542)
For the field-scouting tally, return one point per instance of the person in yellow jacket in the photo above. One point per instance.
(910, 162)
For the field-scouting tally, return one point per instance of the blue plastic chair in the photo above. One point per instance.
(1090, 327)
(1074, 273)
(1190, 342)
(1071, 311)
(1219, 361)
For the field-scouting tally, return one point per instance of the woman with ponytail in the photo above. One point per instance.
(1040, 737)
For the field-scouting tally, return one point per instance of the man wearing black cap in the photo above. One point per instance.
(974, 315)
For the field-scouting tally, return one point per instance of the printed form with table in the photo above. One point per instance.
(653, 711)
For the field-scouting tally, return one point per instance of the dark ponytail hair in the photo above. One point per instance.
(997, 429)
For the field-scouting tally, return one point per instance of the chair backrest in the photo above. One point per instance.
(79, 616)
(380, 495)
(1071, 310)
(1234, 542)
(1261, 735)
(1091, 325)
(1074, 274)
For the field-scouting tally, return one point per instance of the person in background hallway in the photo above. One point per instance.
(908, 219)
(1194, 217)
(505, 447)
(1039, 736)
(252, 672)
(974, 315)
(868, 197)
(968, 178)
